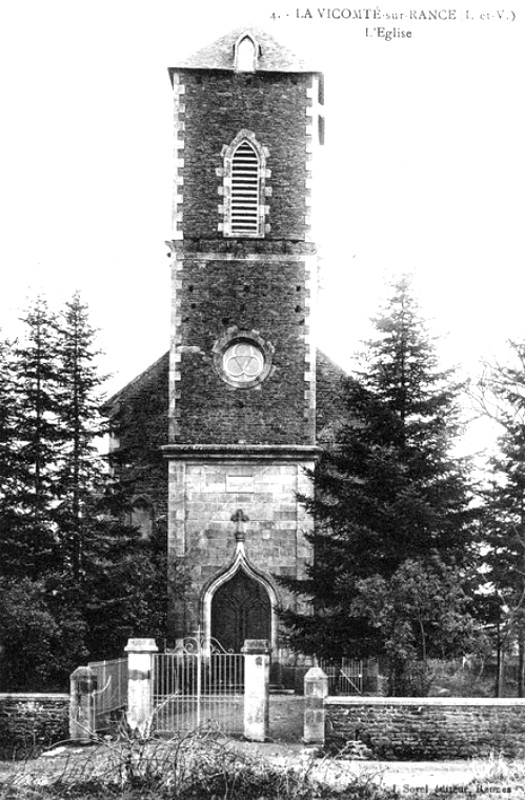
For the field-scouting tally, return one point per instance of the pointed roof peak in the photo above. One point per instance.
(272, 56)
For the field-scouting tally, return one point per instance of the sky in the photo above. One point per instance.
(422, 171)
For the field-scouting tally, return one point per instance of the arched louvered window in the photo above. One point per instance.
(244, 190)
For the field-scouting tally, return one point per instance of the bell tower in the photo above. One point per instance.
(242, 388)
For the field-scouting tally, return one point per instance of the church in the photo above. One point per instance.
(219, 434)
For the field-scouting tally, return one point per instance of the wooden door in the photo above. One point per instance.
(240, 610)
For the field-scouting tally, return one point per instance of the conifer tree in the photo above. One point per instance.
(90, 578)
(113, 578)
(124, 583)
(504, 509)
(9, 544)
(35, 441)
(7, 421)
(402, 372)
(80, 468)
(388, 493)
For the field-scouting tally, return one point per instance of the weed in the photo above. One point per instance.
(499, 770)
(202, 765)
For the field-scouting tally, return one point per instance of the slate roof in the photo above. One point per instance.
(159, 370)
(330, 406)
(273, 56)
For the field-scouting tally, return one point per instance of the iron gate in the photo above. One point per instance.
(111, 695)
(199, 684)
(345, 677)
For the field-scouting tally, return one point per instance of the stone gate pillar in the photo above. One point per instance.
(140, 682)
(256, 689)
(315, 691)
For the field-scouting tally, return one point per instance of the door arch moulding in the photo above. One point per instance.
(242, 563)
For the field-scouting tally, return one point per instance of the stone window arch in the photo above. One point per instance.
(246, 53)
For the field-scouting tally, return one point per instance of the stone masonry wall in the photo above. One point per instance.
(429, 728)
(29, 722)
(217, 106)
(268, 294)
(203, 535)
(262, 286)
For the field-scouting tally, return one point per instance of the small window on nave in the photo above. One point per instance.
(142, 516)
(246, 55)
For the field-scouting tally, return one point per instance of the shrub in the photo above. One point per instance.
(200, 766)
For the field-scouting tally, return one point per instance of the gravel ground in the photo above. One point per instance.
(392, 773)
(413, 774)
(406, 776)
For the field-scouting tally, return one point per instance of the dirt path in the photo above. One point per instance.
(424, 775)
(405, 776)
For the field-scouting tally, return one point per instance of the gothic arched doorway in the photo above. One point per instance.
(240, 609)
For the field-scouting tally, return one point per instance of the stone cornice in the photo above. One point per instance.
(424, 702)
(236, 248)
(240, 452)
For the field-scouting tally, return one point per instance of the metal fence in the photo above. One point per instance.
(345, 677)
(198, 685)
(111, 694)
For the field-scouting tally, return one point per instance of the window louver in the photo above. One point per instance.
(245, 190)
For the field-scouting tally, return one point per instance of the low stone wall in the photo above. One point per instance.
(428, 728)
(29, 722)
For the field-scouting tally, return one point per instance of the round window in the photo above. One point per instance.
(243, 362)
(242, 358)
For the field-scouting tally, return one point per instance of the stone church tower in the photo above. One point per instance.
(242, 379)
(238, 394)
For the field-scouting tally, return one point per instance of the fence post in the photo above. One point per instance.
(256, 689)
(82, 684)
(315, 691)
(140, 683)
